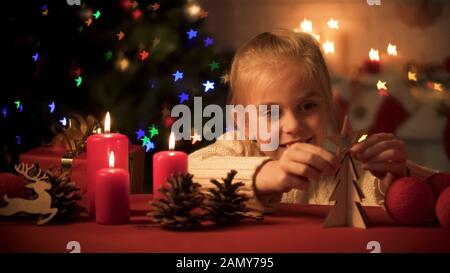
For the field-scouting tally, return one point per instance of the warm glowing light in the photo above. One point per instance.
(111, 160)
(362, 138)
(306, 26)
(328, 47)
(196, 137)
(381, 85)
(392, 50)
(333, 24)
(172, 141)
(194, 10)
(123, 64)
(412, 76)
(373, 55)
(438, 87)
(107, 123)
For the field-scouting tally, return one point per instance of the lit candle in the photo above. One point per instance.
(372, 65)
(394, 63)
(112, 195)
(99, 147)
(166, 163)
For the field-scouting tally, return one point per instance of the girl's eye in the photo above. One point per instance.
(308, 106)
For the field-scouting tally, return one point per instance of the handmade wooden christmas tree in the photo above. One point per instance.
(347, 194)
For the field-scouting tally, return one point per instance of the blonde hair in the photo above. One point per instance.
(270, 51)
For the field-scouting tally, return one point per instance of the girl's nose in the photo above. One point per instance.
(290, 123)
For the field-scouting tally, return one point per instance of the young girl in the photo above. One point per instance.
(286, 68)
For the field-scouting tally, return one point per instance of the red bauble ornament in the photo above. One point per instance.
(443, 208)
(438, 183)
(12, 185)
(409, 201)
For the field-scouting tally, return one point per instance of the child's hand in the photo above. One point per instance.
(382, 153)
(297, 166)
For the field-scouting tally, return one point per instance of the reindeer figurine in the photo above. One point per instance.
(41, 205)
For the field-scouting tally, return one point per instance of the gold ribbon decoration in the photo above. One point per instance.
(74, 137)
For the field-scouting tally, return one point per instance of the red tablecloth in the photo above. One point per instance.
(294, 228)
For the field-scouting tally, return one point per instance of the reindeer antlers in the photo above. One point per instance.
(25, 170)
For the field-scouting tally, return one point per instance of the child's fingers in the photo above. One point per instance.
(370, 152)
(313, 160)
(396, 168)
(297, 182)
(300, 169)
(371, 140)
(389, 155)
(318, 157)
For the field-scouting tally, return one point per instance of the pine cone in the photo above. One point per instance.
(180, 205)
(225, 205)
(65, 195)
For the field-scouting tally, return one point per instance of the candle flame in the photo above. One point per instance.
(392, 50)
(373, 55)
(172, 141)
(381, 85)
(328, 47)
(306, 26)
(333, 24)
(107, 123)
(111, 160)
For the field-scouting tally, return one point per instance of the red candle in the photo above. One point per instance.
(99, 147)
(112, 195)
(166, 163)
(372, 65)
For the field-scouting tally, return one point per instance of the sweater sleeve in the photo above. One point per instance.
(217, 159)
(319, 192)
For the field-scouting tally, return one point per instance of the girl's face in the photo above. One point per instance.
(302, 111)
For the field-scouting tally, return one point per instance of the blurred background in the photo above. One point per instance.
(415, 108)
(390, 66)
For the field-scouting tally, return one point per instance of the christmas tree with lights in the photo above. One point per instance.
(135, 59)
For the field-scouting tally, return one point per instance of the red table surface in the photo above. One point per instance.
(294, 228)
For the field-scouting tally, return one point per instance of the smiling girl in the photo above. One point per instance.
(287, 69)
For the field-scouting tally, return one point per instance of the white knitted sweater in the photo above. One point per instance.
(215, 160)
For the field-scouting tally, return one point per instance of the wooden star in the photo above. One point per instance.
(347, 138)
